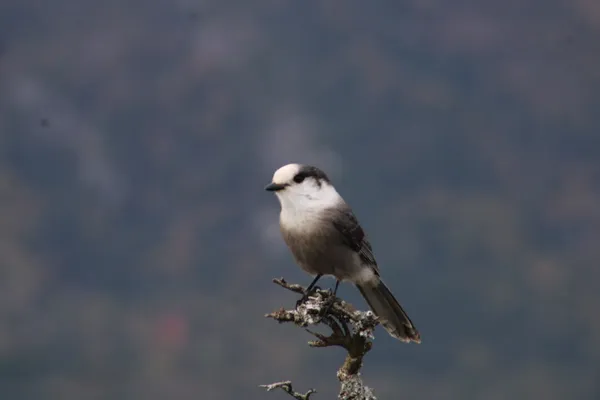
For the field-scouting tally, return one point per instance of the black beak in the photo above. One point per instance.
(273, 187)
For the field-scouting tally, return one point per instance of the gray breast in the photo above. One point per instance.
(320, 250)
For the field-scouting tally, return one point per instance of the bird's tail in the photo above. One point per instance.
(390, 313)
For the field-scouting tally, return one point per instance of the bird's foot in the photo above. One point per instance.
(327, 307)
(305, 296)
(331, 298)
(302, 300)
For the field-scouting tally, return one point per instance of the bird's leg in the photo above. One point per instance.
(337, 283)
(313, 283)
(332, 299)
(308, 290)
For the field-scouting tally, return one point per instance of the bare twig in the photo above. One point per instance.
(350, 329)
(290, 286)
(286, 386)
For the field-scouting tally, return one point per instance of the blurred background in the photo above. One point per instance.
(137, 245)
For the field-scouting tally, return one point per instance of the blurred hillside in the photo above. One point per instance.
(137, 243)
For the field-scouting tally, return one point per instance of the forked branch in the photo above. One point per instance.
(350, 329)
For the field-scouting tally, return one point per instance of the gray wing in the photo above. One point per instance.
(353, 235)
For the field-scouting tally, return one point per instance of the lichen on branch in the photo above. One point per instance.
(350, 328)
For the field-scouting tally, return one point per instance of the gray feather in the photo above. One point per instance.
(392, 316)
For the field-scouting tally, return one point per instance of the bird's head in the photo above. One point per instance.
(303, 186)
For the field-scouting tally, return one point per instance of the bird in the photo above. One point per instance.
(326, 239)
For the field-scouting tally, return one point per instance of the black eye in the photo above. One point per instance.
(298, 178)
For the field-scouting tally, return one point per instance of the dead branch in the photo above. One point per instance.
(350, 329)
(286, 386)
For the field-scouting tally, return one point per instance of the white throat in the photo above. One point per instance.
(301, 209)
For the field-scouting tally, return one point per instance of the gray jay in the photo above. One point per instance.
(325, 238)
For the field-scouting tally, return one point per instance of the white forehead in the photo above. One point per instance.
(286, 173)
